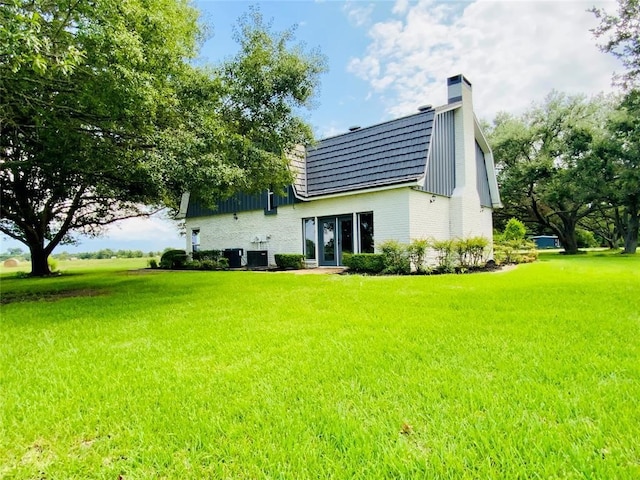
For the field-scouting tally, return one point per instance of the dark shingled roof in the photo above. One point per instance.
(384, 154)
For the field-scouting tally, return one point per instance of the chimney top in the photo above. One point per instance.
(458, 79)
(455, 87)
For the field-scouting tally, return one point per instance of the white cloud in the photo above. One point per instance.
(330, 130)
(358, 15)
(156, 227)
(513, 53)
(401, 6)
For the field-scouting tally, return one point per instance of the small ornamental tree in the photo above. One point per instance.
(514, 230)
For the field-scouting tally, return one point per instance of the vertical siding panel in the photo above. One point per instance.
(482, 179)
(240, 202)
(441, 174)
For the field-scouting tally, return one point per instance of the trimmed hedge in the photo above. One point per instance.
(213, 255)
(207, 264)
(364, 262)
(293, 261)
(173, 259)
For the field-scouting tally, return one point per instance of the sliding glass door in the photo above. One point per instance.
(335, 238)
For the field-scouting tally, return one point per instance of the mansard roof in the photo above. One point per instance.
(384, 154)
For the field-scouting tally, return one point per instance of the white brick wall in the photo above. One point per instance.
(429, 216)
(402, 214)
(283, 231)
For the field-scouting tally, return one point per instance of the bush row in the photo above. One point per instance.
(203, 260)
(510, 246)
(289, 261)
(396, 258)
(515, 251)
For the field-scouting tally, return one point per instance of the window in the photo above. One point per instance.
(195, 240)
(309, 227)
(365, 227)
(271, 207)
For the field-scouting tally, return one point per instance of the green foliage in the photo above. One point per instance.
(53, 264)
(586, 239)
(372, 263)
(514, 230)
(206, 263)
(621, 33)
(444, 255)
(469, 252)
(288, 261)
(620, 177)
(214, 255)
(417, 251)
(477, 249)
(514, 251)
(153, 263)
(548, 162)
(173, 259)
(105, 116)
(511, 246)
(395, 258)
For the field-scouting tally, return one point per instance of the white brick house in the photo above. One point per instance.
(427, 175)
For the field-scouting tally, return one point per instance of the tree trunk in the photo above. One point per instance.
(39, 261)
(631, 237)
(567, 234)
(569, 242)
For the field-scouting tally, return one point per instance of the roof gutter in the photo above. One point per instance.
(412, 183)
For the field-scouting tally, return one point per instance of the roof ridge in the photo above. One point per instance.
(422, 112)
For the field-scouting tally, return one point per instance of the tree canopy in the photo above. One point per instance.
(547, 164)
(103, 114)
(572, 163)
(621, 34)
(620, 176)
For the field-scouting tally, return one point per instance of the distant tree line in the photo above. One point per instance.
(20, 254)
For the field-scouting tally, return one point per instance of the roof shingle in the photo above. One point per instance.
(383, 154)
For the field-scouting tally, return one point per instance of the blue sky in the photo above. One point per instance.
(386, 58)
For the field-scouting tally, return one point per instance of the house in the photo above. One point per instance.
(426, 175)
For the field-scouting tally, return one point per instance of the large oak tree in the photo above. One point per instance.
(620, 175)
(103, 116)
(548, 168)
(620, 32)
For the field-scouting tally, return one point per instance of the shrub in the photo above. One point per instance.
(153, 263)
(223, 263)
(206, 264)
(585, 239)
(395, 258)
(364, 262)
(289, 260)
(444, 255)
(214, 255)
(417, 251)
(462, 252)
(476, 249)
(515, 251)
(173, 259)
(53, 264)
(514, 230)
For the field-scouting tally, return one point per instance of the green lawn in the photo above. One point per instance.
(528, 373)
